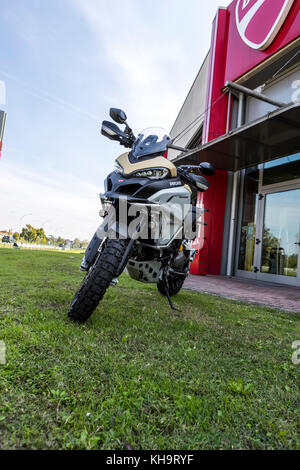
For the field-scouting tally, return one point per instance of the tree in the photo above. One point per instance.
(60, 242)
(77, 243)
(29, 233)
(41, 236)
(269, 242)
(16, 236)
(293, 261)
(33, 235)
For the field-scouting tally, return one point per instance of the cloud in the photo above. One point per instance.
(44, 96)
(147, 66)
(65, 64)
(61, 202)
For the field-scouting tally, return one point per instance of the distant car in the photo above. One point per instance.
(6, 239)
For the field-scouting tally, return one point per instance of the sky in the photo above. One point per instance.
(64, 63)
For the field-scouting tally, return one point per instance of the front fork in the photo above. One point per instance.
(100, 235)
(94, 245)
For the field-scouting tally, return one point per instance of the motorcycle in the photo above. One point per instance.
(150, 218)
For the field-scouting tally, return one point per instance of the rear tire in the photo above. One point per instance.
(175, 285)
(97, 280)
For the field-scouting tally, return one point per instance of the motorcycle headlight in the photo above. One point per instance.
(152, 174)
(118, 168)
(106, 205)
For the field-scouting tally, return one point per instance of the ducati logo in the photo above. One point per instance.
(259, 21)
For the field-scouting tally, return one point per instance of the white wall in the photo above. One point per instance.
(193, 106)
(281, 90)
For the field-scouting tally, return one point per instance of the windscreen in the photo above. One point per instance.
(151, 141)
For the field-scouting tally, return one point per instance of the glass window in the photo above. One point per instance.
(283, 169)
(281, 233)
(247, 235)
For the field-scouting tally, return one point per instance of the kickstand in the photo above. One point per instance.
(166, 286)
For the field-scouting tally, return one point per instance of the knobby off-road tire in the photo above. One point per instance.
(175, 285)
(97, 280)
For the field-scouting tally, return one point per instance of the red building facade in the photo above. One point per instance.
(251, 41)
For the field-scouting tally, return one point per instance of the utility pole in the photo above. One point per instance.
(2, 127)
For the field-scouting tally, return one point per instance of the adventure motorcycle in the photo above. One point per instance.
(156, 246)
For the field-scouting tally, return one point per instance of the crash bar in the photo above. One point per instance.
(255, 94)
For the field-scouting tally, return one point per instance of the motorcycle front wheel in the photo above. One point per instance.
(97, 280)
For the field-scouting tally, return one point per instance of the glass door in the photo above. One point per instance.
(268, 228)
(278, 244)
(246, 242)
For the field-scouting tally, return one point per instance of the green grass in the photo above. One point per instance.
(42, 248)
(217, 374)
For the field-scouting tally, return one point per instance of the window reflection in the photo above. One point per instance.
(281, 233)
(247, 236)
(283, 169)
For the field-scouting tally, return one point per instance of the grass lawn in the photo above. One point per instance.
(217, 374)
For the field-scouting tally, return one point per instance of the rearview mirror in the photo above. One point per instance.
(111, 131)
(118, 115)
(207, 169)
